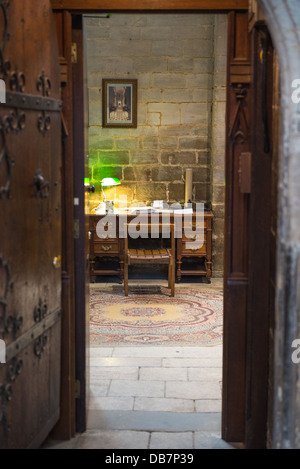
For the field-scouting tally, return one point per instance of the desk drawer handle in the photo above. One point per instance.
(106, 248)
(192, 238)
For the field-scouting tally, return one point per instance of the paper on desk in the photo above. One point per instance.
(181, 211)
(158, 204)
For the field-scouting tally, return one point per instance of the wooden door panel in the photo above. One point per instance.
(261, 239)
(30, 236)
(49, 225)
(29, 419)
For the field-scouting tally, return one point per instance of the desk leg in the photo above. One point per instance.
(92, 273)
(121, 262)
(121, 258)
(208, 270)
(179, 262)
(126, 280)
(208, 258)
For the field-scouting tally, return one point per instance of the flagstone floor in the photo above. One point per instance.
(153, 397)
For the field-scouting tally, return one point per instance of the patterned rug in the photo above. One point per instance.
(150, 316)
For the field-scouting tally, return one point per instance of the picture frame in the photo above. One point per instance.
(119, 102)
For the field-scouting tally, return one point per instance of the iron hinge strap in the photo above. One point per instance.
(32, 102)
(33, 333)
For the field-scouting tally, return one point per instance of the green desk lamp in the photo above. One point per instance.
(108, 182)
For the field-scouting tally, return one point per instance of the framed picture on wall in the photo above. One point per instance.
(119, 102)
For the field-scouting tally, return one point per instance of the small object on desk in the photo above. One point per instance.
(142, 209)
(100, 209)
(109, 206)
(183, 211)
(158, 204)
(106, 182)
(188, 185)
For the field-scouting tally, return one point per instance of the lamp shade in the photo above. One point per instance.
(110, 182)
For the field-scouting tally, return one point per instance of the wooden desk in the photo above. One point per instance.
(111, 248)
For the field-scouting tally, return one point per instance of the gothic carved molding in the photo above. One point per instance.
(239, 128)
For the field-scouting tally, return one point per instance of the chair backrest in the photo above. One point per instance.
(152, 231)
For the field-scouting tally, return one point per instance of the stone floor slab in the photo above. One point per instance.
(168, 351)
(193, 390)
(163, 374)
(100, 351)
(124, 439)
(136, 388)
(192, 362)
(111, 403)
(112, 372)
(162, 440)
(99, 387)
(163, 404)
(153, 421)
(125, 361)
(210, 440)
(204, 374)
(208, 405)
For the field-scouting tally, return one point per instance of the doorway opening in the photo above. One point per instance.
(181, 124)
(239, 75)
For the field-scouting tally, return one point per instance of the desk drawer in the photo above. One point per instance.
(193, 248)
(198, 236)
(108, 247)
(106, 238)
(200, 224)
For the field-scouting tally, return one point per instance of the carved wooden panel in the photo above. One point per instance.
(260, 309)
(238, 125)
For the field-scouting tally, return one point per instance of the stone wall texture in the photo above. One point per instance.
(179, 61)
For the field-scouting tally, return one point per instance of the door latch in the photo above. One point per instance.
(41, 186)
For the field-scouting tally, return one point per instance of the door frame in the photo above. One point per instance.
(80, 227)
(236, 270)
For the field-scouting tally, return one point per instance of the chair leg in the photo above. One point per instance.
(169, 275)
(126, 279)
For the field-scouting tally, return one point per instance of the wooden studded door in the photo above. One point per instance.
(30, 218)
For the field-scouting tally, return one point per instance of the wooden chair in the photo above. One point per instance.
(151, 256)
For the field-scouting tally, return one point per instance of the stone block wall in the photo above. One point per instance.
(218, 142)
(179, 61)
